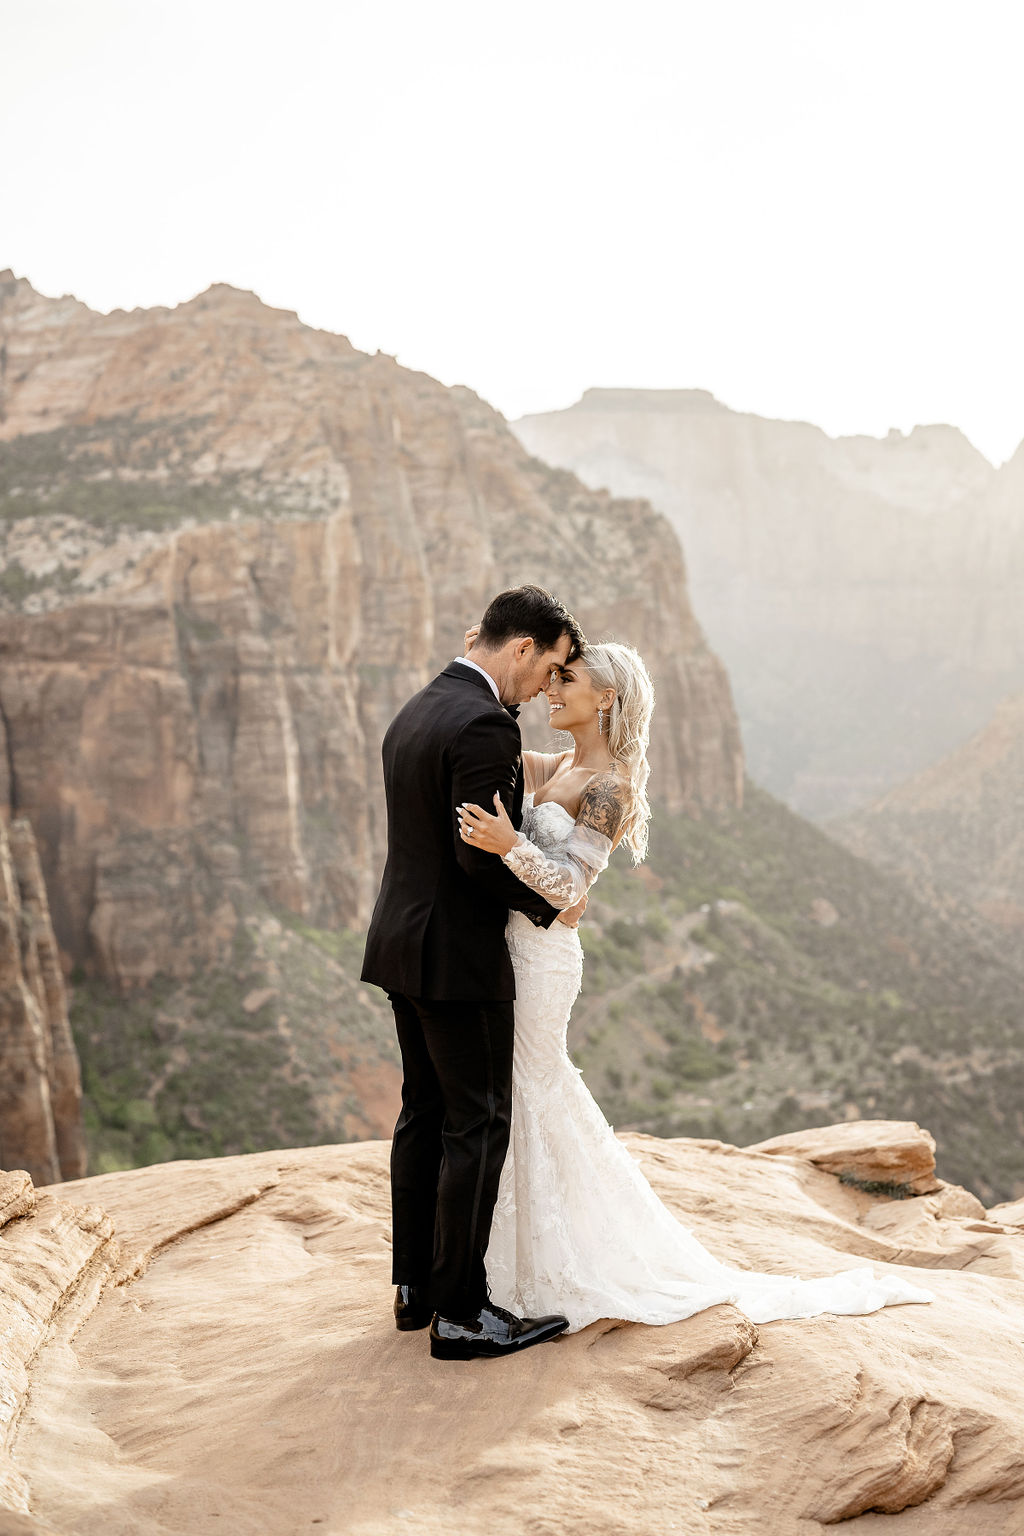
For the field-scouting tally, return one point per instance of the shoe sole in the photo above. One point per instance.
(465, 1349)
(413, 1324)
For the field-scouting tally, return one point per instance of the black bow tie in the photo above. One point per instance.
(513, 710)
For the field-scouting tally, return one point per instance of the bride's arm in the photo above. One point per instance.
(538, 768)
(563, 879)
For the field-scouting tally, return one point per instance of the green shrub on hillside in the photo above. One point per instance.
(239, 1059)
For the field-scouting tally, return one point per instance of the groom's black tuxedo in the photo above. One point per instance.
(437, 946)
(438, 929)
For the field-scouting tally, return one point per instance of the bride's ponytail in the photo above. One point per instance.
(616, 666)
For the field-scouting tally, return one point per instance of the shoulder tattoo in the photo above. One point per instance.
(601, 805)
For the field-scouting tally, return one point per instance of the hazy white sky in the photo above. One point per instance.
(810, 207)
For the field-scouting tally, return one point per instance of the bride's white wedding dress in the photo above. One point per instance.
(577, 1228)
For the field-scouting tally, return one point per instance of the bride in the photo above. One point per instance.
(577, 1229)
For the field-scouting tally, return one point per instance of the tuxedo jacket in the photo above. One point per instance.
(438, 928)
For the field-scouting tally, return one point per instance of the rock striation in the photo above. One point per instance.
(55, 1259)
(280, 1416)
(863, 592)
(40, 1084)
(232, 546)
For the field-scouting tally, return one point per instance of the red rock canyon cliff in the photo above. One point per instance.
(40, 1089)
(233, 545)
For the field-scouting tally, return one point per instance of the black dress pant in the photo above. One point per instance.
(450, 1143)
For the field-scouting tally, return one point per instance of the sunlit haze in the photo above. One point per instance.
(811, 209)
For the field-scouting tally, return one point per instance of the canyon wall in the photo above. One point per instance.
(863, 593)
(232, 547)
(40, 1089)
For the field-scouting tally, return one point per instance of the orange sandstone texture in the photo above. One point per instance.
(233, 1362)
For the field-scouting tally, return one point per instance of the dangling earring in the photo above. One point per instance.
(600, 722)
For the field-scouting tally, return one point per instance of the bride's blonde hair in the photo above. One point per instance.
(611, 665)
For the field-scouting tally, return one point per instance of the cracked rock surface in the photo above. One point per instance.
(240, 1370)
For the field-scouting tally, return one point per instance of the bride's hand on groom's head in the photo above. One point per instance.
(470, 637)
(493, 834)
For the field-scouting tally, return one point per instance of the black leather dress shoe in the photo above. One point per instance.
(412, 1309)
(491, 1332)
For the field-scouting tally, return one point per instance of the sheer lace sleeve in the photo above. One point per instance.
(538, 768)
(563, 880)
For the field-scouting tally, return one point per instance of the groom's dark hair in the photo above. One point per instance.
(533, 612)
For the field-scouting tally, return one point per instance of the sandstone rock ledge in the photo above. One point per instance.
(239, 1371)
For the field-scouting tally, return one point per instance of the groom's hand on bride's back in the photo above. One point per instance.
(571, 916)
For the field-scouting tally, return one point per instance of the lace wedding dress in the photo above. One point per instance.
(577, 1228)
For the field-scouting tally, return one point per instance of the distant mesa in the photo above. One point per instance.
(864, 593)
(677, 401)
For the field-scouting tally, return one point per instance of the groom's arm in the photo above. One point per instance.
(485, 759)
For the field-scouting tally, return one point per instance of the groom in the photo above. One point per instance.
(437, 946)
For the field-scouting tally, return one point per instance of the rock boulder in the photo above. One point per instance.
(894, 1154)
